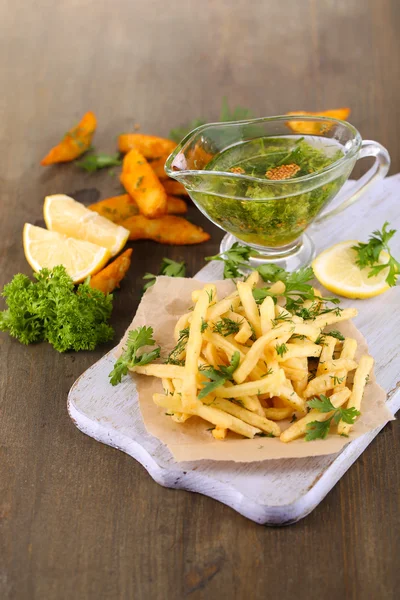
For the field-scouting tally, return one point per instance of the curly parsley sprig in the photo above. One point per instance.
(169, 268)
(368, 254)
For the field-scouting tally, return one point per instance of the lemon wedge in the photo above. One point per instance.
(64, 215)
(337, 270)
(47, 249)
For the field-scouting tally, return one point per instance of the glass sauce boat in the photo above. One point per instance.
(264, 181)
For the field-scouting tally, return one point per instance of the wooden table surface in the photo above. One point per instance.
(82, 520)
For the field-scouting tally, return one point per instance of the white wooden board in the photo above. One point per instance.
(271, 492)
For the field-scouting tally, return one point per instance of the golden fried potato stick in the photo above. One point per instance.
(119, 208)
(348, 351)
(150, 146)
(332, 317)
(219, 433)
(267, 314)
(243, 414)
(251, 388)
(74, 143)
(327, 351)
(257, 350)
(160, 370)
(338, 364)
(208, 413)
(143, 185)
(360, 381)
(245, 332)
(174, 188)
(169, 229)
(250, 306)
(193, 348)
(111, 276)
(278, 414)
(300, 351)
(300, 386)
(299, 428)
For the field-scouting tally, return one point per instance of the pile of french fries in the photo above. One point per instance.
(269, 386)
(150, 208)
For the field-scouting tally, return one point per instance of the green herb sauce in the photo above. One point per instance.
(274, 220)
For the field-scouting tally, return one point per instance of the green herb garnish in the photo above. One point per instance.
(226, 327)
(137, 339)
(281, 349)
(219, 376)
(52, 309)
(320, 429)
(234, 258)
(336, 334)
(95, 162)
(169, 268)
(173, 356)
(368, 254)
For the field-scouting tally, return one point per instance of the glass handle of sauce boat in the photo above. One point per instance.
(378, 171)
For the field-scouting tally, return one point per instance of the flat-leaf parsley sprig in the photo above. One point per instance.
(319, 429)
(234, 258)
(368, 254)
(137, 339)
(169, 268)
(219, 376)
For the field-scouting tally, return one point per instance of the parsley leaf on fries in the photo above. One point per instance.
(219, 376)
(137, 338)
(320, 429)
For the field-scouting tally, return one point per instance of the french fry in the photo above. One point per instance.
(208, 413)
(257, 350)
(168, 386)
(219, 433)
(74, 143)
(251, 388)
(348, 351)
(158, 166)
(267, 314)
(253, 279)
(111, 276)
(299, 428)
(319, 385)
(300, 386)
(250, 402)
(174, 188)
(345, 364)
(309, 331)
(250, 306)
(278, 414)
(326, 354)
(223, 306)
(360, 381)
(193, 348)
(160, 370)
(330, 318)
(294, 374)
(245, 332)
(277, 288)
(244, 415)
(169, 229)
(148, 145)
(287, 393)
(143, 185)
(300, 351)
(181, 324)
(316, 127)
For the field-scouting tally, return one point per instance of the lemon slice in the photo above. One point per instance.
(47, 249)
(64, 215)
(337, 270)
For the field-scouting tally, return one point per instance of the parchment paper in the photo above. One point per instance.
(161, 306)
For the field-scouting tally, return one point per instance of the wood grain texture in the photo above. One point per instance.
(78, 519)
